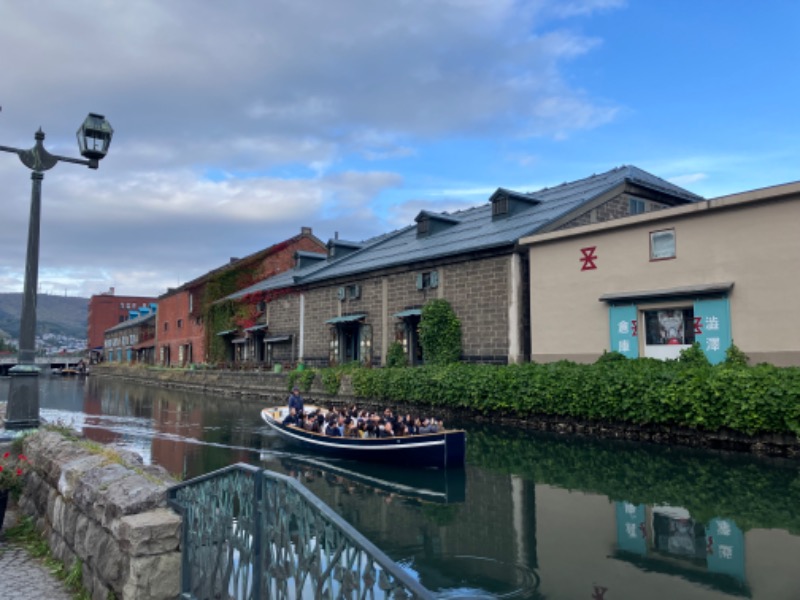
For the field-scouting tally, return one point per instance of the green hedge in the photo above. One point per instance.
(759, 399)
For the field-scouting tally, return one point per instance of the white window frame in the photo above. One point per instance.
(669, 251)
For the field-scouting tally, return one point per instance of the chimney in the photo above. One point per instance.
(305, 231)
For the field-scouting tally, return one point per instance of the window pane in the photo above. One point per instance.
(662, 244)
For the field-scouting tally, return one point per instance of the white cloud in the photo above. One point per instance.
(237, 123)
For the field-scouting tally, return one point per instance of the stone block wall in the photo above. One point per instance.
(477, 289)
(105, 508)
(479, 294)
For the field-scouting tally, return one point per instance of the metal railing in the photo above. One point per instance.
(250, 534)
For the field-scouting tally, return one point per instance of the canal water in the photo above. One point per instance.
(531, 516)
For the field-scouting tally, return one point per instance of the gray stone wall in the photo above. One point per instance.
(478, 290)
(105, 508)
(283, 318)
(616, 208)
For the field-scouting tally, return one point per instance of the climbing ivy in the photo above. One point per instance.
(440, 333)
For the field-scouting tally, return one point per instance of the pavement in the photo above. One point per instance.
(22, 576)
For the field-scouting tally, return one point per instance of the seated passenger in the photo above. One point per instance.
(319, 424)
(351, 428)
(332, 428)
(428, 426)
(388, 430)
(291, 418)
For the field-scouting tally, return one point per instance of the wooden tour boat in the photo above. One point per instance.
(445, 449)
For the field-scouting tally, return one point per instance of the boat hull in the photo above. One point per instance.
(441, 450)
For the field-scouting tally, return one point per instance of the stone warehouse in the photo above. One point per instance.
(354, 302)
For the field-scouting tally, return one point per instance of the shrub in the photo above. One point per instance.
(734, 357)
(396, 356)
(612, 356)
(302, 379)
(440, 333)
(693, 356)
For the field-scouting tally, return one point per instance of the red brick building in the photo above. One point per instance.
(181, 334)
(107, 310)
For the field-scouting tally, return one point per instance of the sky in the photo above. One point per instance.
(237, 123)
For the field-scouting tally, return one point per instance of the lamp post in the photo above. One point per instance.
(94, 138)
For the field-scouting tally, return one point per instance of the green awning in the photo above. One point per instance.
(257, 327)
(226, 332)
(345, 319)
(409, 312)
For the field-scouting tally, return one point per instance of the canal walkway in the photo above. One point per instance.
(23, 576)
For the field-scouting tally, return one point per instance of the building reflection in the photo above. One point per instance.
(667, 539)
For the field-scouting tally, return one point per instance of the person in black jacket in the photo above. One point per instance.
(295, 401)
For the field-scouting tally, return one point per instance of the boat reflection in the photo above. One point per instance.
(441, 486)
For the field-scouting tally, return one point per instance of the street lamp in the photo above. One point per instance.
(94, 138)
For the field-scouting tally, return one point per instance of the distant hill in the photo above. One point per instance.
(60, 315)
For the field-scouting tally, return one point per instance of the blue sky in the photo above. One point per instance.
(237, 124)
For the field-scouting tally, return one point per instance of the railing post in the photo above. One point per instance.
(258, 520)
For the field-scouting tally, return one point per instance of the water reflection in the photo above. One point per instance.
(666, 539)
(532, 516)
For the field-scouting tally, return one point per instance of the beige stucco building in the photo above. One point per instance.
(715, 272)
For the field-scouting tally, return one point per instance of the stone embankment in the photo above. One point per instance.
(265, 385)
(105, 508)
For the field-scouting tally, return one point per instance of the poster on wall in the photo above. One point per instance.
(624, 330)
(712, 327)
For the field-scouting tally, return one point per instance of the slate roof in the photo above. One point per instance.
(140, 320)
(293, 276)
(472, 229)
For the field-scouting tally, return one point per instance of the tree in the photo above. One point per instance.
(440, 333)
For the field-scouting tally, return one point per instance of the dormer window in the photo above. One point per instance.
(429, 223)
(338, 248)
(500, 206)
(506, 203)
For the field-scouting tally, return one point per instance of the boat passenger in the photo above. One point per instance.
(318, 424)
(428, 426)
(401, 429)
(291, 418)
(333, 427)
(388, 430)
(296, 400)
(351, 428)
